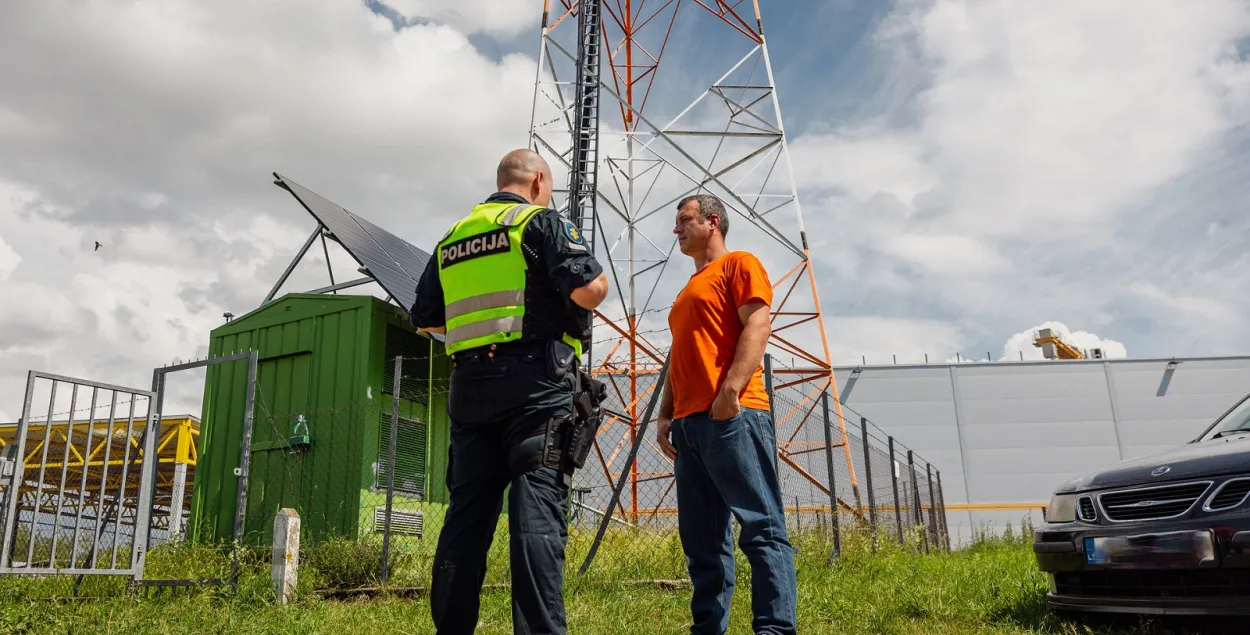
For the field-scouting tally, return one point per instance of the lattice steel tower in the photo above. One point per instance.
(712, 127)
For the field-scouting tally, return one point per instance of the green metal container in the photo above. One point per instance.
(321, 421)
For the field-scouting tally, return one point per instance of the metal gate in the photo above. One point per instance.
(78, 494)
(76, 489)
(173, 510)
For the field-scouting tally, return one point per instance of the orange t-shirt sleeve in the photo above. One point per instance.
(749, 282)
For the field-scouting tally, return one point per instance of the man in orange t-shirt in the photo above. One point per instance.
(716, 425)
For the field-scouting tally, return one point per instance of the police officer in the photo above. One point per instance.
(511, 286)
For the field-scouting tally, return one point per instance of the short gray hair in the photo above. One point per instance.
(709, 206)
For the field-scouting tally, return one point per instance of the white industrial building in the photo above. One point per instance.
(1005, 434)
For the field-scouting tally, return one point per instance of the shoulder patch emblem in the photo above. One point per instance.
(572, 233)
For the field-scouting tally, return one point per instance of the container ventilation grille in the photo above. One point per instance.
(409, 523)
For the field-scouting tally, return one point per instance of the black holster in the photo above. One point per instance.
(588, 415)
(568, 440)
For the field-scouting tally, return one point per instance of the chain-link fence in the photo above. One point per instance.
(368, 478)
(836, 477)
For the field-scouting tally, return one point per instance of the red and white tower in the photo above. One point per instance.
(651, 130)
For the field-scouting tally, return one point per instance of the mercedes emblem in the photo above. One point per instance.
(1159, 471)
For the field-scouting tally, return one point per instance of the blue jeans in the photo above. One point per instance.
(723, 468)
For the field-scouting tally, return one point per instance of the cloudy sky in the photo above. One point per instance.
(968, 170)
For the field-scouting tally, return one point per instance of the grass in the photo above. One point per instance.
(992, 587)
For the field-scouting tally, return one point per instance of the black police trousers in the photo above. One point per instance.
(499, 408)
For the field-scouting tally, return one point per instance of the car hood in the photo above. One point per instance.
(1192, 460)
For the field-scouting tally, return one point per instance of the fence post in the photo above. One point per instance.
(833, 490)
(798, 518)
(946, 536)
(898, 513)
(872, 504)
(240, 506)
(390, 469)
(915, 494)
(932, 499)
(285, 566)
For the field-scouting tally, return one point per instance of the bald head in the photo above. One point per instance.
(525, 173)
(519, 167)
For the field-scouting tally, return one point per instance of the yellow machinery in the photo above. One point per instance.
(175, 451)
(1055, 348)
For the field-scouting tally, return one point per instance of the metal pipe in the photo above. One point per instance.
(98, 532)
(915, 490)
(898, 514)
(326, 250)
(946, 536)
(19, 474)
(833, 496)
(43, 462)
(245, 452)
(342, 285)
(872, 505)
(60, 492)
(121, 492)
(390, 468)
(82, 485)
(291, 267)
(932, 499)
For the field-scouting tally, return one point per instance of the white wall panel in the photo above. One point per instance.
(1010, 432)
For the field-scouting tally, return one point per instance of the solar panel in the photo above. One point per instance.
(393, 262)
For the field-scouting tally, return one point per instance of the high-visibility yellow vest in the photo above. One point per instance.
(481, 268)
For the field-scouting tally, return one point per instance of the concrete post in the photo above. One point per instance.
(177, 494)
(285, 554)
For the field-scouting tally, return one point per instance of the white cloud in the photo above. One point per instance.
(863, 161)
(9, 260)
(989, 198)
(477, 16)
(878, 340)
(154, 127)
(1020, 345)
(947, 254)
(1048, 157)
(1044, 115)
(1203, 309)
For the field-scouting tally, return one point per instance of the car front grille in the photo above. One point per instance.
(1085, 509)
(1229, 495)
(1194, 583)
(1151, 503)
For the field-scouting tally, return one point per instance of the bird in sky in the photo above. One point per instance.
(97, 245)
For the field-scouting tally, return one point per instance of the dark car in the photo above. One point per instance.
(1163, 534)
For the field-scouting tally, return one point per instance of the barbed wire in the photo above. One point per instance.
(45, 419)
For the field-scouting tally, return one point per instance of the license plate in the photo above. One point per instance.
(1177, 549)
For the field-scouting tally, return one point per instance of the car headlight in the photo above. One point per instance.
(1062, 509)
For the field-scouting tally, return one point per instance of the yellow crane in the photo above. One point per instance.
(1053, 347)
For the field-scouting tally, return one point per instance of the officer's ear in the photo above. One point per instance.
(536, 185)
(540, 188)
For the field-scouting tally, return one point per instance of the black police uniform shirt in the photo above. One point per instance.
(563, 264)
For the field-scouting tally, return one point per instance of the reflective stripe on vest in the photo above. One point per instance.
(484, 328)
(496, 300)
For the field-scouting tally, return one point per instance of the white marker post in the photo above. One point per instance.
(285, 554)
